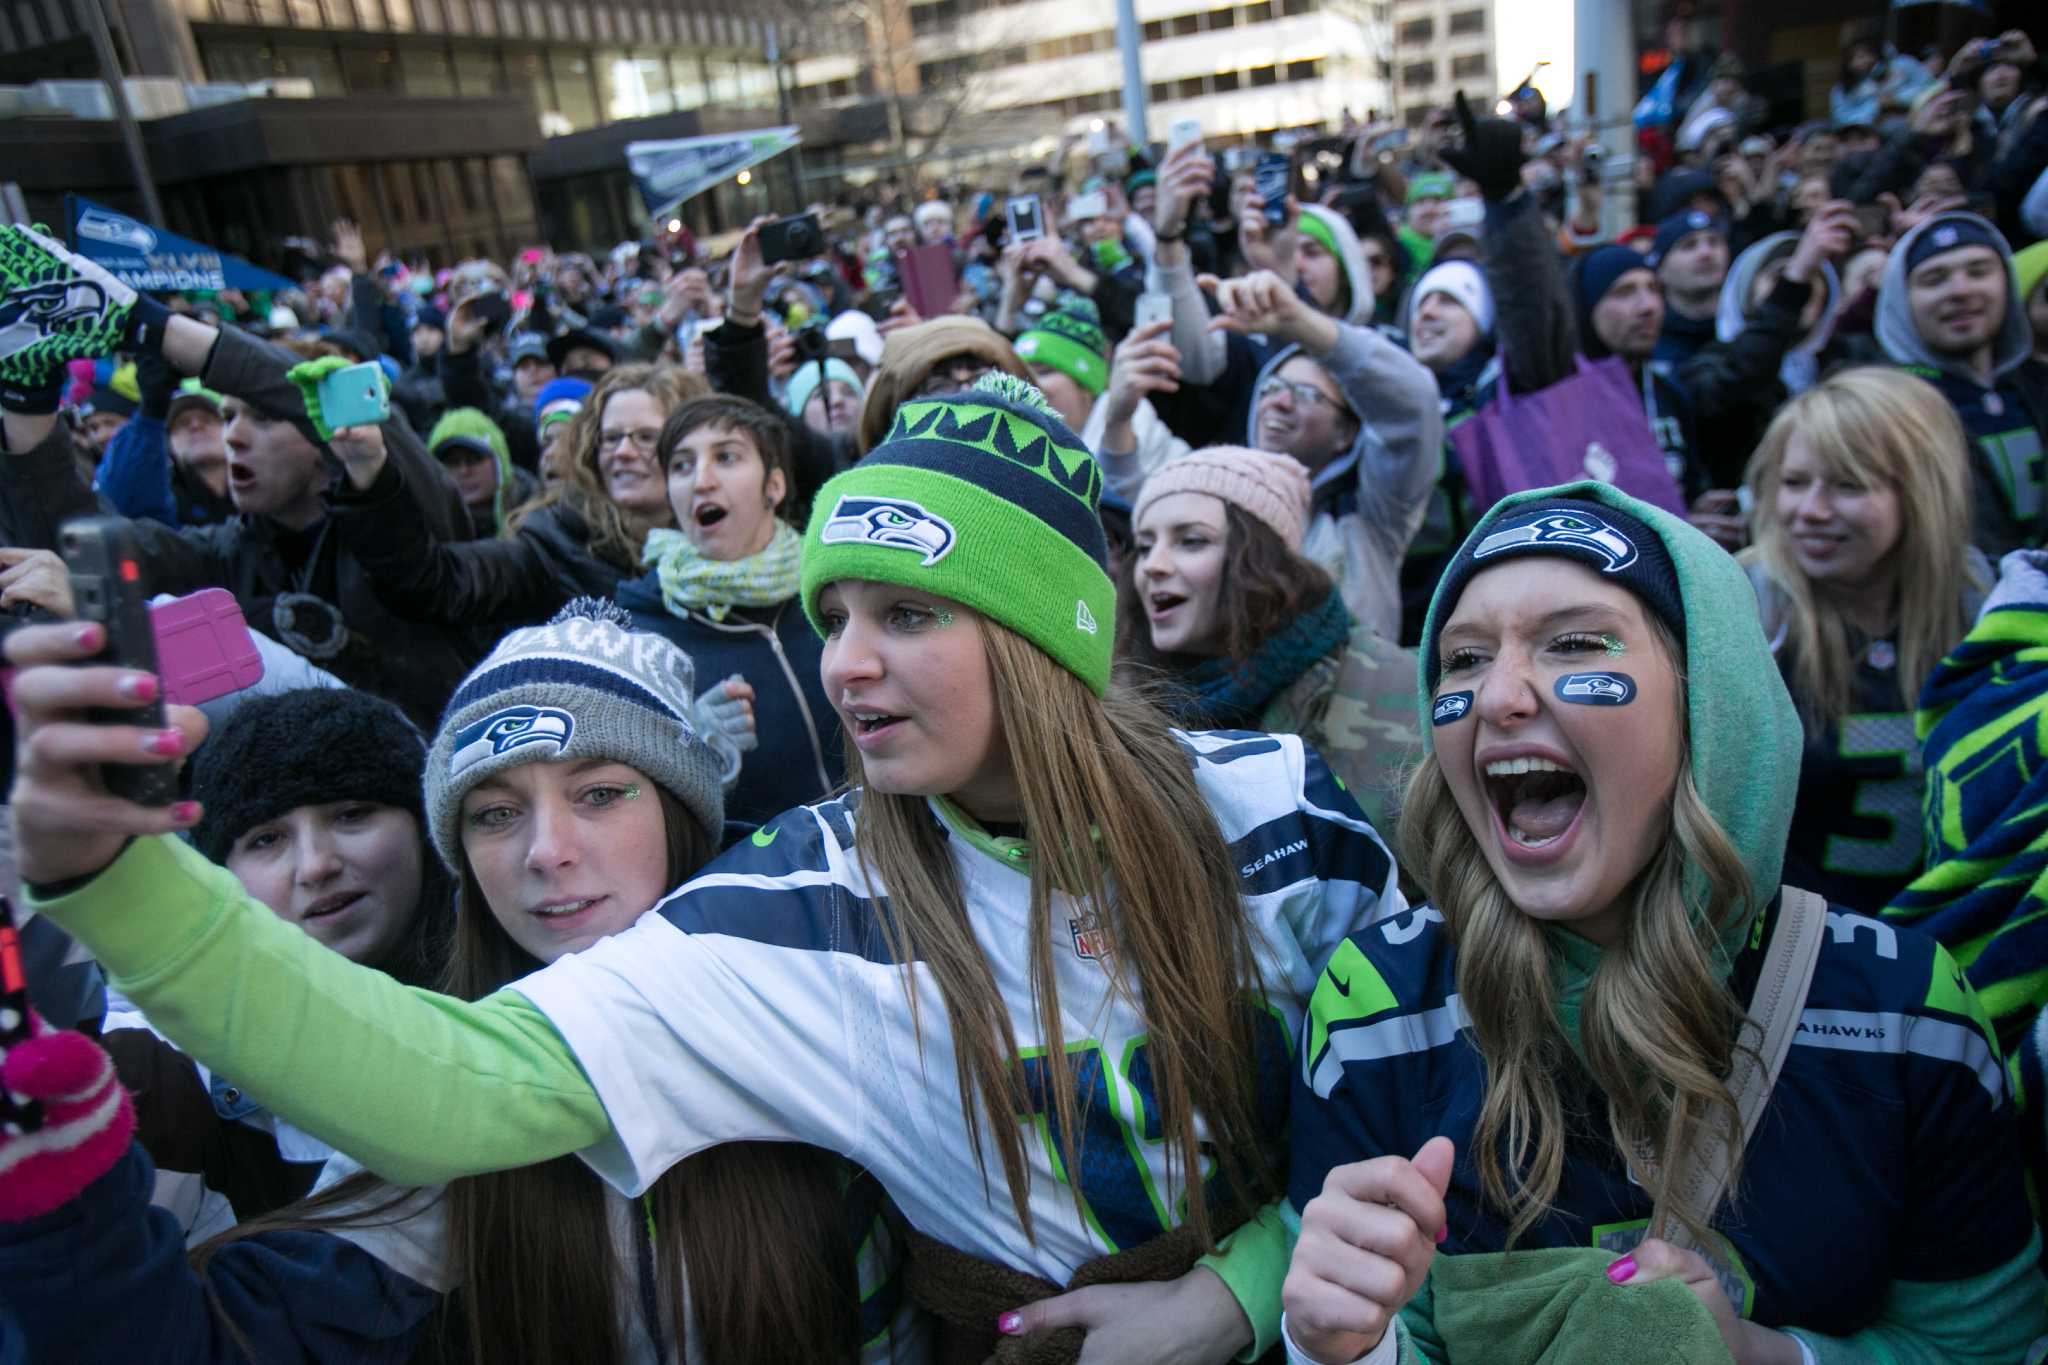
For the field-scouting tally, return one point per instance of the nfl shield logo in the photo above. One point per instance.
(1090, 943)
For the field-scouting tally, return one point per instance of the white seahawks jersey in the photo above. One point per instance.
(759, 1001)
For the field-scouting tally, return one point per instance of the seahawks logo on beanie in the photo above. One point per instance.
(509, 729)
(895, 522)
(1564, 530)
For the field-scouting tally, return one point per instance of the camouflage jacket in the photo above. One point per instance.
(1357, 708)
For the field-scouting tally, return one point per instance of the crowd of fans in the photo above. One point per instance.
(996, 785)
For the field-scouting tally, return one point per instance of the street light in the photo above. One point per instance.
(746, 177)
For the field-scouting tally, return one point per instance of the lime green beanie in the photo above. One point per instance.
(1069, 339)
(986, 498)
(471, 423)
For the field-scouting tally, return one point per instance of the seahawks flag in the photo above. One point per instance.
(151, 259)
(670, 171)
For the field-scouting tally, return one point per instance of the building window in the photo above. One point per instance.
(1468, 21)
(1416, 75)
(1290, 8)
(1472, 65)
(1263, 75)
(1258, 13)
(1225, 82)
(1416, 33)
(1186, 24)
(425, 71)
(1154, 30)
(1309, 70)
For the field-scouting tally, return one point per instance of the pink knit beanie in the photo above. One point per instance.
(1273, 488)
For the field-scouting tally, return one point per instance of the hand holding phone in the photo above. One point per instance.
(358, 396)
(1271, 177)
(796, 238)
(106, 585)
(1027, 220)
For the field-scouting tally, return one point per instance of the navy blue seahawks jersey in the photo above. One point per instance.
(2006, 468)
(1856, 825)
(1889, 1150)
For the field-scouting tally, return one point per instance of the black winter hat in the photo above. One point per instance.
(308, 747)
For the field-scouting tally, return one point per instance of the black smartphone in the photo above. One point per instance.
(495, 310)
(106, 586)
(792, 239)
(1271, 177)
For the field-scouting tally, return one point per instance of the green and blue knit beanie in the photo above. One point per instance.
(472, 428)
(984, 497)
(1069, 339)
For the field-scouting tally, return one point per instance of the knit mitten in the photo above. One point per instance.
(305, 377)
(1490, 154)
(723, 724)
(66, 1120)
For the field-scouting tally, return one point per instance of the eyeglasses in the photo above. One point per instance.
(1308, 395)
(646, 438)
(955, 372)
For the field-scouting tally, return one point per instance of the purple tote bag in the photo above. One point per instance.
(1588, 425)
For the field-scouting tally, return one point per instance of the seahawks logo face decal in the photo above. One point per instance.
(29, 315)
(514, 727)
(1596, 689)
(1450, 707)
(894, 522)
(1564, 531)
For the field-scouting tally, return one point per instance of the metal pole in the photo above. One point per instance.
(796, 153)
(1604, 48)
(110, 72)
(1127, 38)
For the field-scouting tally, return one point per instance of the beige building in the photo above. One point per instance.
(1439, 48)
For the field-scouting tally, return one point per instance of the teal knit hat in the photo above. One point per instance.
(1069, 339)
(984, 497)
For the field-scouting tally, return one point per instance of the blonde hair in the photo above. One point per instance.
(613, 536)
(1658, 1025)
(1871, 427)
(1108, 799)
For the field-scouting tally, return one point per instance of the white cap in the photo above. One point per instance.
(1462, 284)
(283, 319)
(857, 327)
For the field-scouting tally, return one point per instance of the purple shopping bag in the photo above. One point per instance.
(1588, 425)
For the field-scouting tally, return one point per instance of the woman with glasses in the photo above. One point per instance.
(581, 537)
(944, 355)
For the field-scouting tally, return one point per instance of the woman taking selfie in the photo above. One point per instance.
(1865, 577)
(1251, 636)
(1550, 1058)
(567, 792)
(723, 589)
(820, 981)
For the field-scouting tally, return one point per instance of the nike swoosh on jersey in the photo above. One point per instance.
(773, 835)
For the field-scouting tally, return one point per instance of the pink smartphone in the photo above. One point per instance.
(203, 647)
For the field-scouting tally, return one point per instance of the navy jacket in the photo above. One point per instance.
(799, 758)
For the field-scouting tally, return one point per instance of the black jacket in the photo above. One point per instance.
(260, 560)
(736, 362)
(463, 385)
(1734, 385)
(799, 757)
(491, 584)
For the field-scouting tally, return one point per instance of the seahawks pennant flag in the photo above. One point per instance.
(670, 171)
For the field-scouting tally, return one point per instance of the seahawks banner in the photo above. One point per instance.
(151, 259)
(676, 169)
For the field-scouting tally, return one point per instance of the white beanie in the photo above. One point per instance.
(1464, 285)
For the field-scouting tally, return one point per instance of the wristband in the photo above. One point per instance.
(1179, 233)
(38, 401)
(147, 322)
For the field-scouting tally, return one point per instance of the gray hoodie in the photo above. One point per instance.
(1801, 366)
(2005, 418)
(1369, 501)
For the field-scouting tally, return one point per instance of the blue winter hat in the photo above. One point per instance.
(559, 391)
(1597, 271)
(1952, 232)
(1680, 226)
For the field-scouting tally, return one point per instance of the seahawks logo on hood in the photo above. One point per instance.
(511, 728)
(1563, 531)
(894, 522)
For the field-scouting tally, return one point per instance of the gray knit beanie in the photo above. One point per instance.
(581, 686)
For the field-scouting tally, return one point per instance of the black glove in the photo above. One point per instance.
(157, 382)
(1489, 153)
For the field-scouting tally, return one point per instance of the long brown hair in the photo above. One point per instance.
(1658, 1024)
(758, 1228)
(1264, 586)
(613, 536)
(1108, 798)
(1871, 427)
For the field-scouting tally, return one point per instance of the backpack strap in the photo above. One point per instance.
(1773, 1017)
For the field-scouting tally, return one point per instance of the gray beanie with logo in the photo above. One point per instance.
(581, 686)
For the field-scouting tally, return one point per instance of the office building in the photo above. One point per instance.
(1440, 48)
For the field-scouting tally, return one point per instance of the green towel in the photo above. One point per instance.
(1556, 1307)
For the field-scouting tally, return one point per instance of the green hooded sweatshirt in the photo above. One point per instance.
(476, 426)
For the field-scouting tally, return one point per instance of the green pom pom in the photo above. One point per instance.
(1021, 392)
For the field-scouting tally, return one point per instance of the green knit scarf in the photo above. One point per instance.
(690, 582)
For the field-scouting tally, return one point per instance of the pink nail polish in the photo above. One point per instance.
(1442, 1233)
(185, 812)
(166, 743)
(90, 636)
(139, 687)
(1622, 1271)
(1009, 1324)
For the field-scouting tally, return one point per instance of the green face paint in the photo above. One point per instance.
(1614, 647)
(630, 793)
(942, 616)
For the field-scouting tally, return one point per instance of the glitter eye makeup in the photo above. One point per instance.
(1596, 689)
(942, 616)
(629, 793)
(1450, 707)
(1613, 645)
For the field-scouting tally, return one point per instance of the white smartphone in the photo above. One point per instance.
(1183, 131)
(1154, 307)
(1027, 223)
